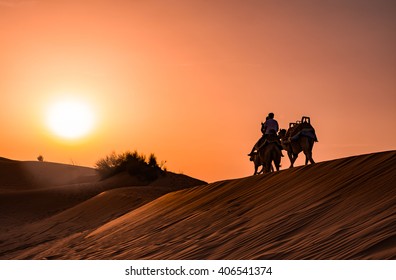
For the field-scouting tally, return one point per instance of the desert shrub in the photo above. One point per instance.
(133, 163)
(108, 165)
(152, 162)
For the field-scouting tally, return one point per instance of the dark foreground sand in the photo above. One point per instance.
(340, 209)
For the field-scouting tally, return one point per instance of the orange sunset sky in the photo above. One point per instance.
(190, 81)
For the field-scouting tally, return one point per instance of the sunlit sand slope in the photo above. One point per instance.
(340, 209)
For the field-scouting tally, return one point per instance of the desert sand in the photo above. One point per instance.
(338, 209)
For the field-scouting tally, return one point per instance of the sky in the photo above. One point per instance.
(191, 81)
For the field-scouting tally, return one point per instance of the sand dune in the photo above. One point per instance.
(61, 187)
(22, 175)
(32, 190)
(340, 209)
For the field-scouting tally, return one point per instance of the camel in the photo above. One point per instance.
(268, 150)
(295, 145)
(270, 153)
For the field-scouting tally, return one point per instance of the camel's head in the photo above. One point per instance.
(252, 156)
(282, 133)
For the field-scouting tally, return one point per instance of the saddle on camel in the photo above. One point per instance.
(297, 130)
(267, 139)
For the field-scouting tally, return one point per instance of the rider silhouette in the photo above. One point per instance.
(269, 127)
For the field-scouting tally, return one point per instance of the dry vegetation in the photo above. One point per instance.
(133, 163)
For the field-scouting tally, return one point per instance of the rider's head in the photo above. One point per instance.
(271, 115)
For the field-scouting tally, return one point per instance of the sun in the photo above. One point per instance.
(70, 119)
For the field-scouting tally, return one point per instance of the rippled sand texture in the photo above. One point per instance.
(339, 209)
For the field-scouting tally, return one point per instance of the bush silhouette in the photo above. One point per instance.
(134, 164)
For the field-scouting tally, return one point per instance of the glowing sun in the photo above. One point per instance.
(70, 119)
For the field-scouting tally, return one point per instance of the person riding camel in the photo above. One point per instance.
(270, 127)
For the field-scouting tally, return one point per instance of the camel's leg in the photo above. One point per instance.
(290, 155)
(308, 154)
(308, 158)
(267, 167)
(293, 159)
(277, 161)
(277, 165)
